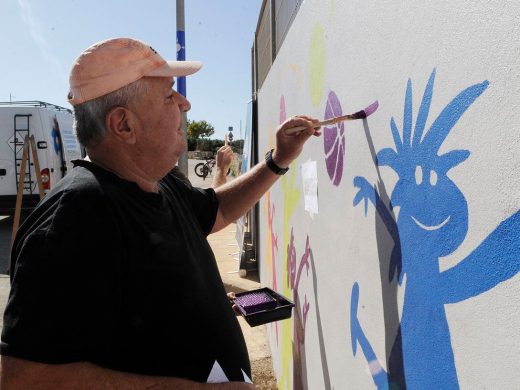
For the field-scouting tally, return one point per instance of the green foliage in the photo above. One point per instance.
(200, 129)
(198, 133)
(205, 145)
(192, 144)
(217, 143)
(212, 145)
(237, 146)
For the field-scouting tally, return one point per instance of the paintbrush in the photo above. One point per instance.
(350, 117)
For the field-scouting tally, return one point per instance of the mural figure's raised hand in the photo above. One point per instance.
(366, 192)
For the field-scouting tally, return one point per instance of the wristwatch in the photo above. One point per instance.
(272, 165)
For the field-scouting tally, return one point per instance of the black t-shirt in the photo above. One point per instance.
(104, 272)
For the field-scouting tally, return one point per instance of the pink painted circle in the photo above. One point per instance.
(334, 140)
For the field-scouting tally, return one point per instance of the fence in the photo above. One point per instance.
(276, 16)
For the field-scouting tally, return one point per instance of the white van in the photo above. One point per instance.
(56, 143)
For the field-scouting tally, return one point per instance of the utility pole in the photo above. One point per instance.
(181, 81)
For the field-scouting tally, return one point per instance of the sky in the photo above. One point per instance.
(39, 40)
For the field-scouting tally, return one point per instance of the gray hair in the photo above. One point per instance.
(90, 116)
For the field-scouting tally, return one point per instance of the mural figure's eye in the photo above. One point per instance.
(433, 178)
(418, 175)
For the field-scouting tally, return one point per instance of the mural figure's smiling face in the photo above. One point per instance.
(433, 211)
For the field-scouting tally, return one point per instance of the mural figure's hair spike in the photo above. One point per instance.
(397, 137)
(424, 110)
(452, 159)
(450, 116)
(407, 117)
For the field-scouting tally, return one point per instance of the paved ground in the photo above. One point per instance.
(225, 247)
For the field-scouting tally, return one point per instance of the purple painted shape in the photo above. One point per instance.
(372, 108)
(330, 135)
(339, 165)
(283, 115)
(331, 162)
(334, 140)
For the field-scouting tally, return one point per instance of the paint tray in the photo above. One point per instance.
(262, 306)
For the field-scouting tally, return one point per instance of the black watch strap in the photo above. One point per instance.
(272, 165)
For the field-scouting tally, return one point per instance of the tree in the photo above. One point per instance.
(200, 129)
(192, 144)
(205, 145)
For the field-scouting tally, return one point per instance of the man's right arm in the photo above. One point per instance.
(24, 374)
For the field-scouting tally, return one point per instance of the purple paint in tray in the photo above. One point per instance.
(256, 301)
(262, 306)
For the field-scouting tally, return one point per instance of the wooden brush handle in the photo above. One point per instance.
(331, 121)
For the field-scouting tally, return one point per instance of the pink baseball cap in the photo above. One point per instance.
(109, 65)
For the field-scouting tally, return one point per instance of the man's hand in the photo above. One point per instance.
(231, 296)
(288, 147)
(224, 159)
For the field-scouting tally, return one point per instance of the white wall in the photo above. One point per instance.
(459, 327)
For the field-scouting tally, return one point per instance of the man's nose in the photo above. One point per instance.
(184, 104)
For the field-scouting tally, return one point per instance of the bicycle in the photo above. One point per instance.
(204, 168)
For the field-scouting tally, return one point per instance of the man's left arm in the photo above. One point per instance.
(238, 196)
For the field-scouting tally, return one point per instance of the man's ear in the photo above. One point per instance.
(119, 122)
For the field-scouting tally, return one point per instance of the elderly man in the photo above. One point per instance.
(113, 282)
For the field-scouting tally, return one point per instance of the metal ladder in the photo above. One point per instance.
(21, 130)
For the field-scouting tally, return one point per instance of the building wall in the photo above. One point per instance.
(407, 275)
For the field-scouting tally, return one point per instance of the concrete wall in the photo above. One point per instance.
(408, 273)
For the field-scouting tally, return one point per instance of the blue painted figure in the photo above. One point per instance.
(432, 222)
